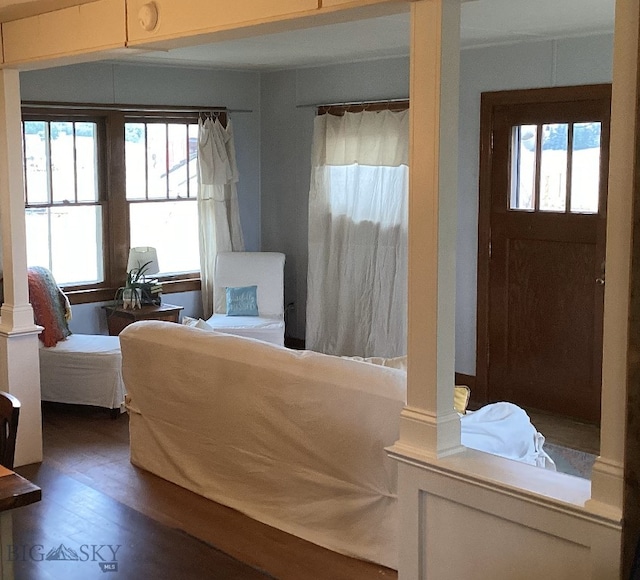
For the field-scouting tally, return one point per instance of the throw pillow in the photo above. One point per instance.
(461, 396)
(242, 301)
(203, 325)
(50, 306)
(196, 323)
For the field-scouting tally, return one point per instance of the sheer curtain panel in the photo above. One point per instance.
(357, 275)
(218, 215)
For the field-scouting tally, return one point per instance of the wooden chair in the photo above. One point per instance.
(9, 413)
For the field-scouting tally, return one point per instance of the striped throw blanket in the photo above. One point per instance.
(51, 308)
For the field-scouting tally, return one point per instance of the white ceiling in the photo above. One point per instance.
(484, 22)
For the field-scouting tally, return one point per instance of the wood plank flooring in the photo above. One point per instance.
(86, 455)
(78, 533)
(567, 432)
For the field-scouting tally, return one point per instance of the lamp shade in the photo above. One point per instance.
(142, 255)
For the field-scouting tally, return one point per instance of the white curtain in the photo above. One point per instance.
(357, 276)
(218, 215)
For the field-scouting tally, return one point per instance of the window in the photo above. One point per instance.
(555, 167)
(358, 212)
(161, 189)
(100, 181)
(63, 198)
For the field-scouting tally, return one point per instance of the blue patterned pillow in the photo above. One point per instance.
(242, 301)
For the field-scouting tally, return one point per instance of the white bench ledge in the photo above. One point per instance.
(552, 489)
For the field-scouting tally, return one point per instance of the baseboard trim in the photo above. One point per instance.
(294, 343)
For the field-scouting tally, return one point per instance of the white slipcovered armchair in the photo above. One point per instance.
(241, 269)
(79, 369)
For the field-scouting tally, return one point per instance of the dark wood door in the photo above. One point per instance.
(546, 253)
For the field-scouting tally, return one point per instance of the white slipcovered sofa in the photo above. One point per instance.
(294, 439)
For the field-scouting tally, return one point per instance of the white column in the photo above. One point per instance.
(19, 366)
(607, 477)
(429, 424)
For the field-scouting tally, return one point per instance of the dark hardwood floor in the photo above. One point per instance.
(93, 496)
(566, 431)
(87, 534)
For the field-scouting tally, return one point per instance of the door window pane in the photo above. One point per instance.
(523, 167)
(172, 228)
(585, 171)
(553, 167)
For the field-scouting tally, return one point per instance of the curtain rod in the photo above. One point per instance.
(131, 108)
(354, 103)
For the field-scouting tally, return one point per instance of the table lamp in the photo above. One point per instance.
(143, 256)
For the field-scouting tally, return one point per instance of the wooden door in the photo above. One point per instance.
(546, 201)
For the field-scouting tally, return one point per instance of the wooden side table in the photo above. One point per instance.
(118, 317)
(15, 491)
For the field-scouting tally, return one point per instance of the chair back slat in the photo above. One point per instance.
(9, 415)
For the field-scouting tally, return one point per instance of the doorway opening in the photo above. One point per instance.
(541, 248)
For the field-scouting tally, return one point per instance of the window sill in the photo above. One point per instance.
(90, 295)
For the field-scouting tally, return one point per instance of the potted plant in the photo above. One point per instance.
(130, 295)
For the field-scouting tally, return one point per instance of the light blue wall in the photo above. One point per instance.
(274, 141)
(287, 130)
(91, 319)
(572, 61)
(287, 133)
(116, 83)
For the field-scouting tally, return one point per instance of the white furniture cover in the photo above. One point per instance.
(83, 369)
(294, 439)
(264, 270)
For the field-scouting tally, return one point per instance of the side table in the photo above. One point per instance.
(118, 317)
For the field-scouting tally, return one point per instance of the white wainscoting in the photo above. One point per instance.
(477, 516)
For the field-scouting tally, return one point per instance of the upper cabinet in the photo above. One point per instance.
(101, 27)
(162, 20)
(88, 28)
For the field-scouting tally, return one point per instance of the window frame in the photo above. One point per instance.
(55, 115)
(111, 121)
